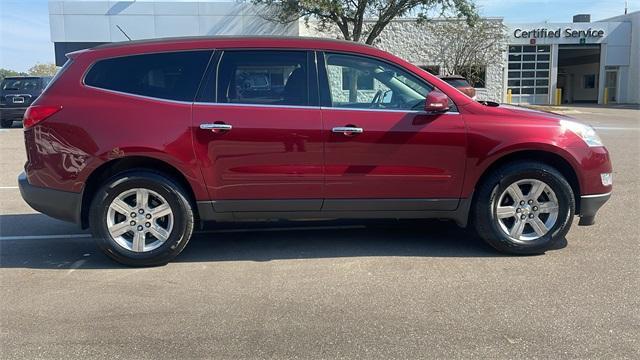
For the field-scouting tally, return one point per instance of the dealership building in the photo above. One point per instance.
(582, 61)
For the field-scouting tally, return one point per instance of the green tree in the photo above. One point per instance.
(43, 69)
(362, 20)
(7, 72)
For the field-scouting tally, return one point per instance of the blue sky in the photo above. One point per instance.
(24, 24)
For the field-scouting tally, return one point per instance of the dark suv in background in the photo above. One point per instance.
(16, 94)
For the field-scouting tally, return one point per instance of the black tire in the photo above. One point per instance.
(175, 195)
(487, 196)
(6, 123)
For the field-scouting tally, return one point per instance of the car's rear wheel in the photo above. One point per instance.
(524, 208)
(141, 218)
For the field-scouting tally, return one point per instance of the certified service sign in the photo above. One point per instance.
(567, 32)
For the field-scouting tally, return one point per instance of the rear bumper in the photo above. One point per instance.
(58, 204)
(15, 114)
(589, 206)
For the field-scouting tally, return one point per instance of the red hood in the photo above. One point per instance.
(507, 110)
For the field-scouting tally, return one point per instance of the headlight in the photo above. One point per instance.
(586, 132)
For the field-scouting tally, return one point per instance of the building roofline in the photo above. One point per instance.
(617, 16)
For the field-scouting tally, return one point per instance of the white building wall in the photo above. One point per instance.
(629, 77)
(95, 21)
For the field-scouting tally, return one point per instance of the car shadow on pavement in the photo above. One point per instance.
(256, 241)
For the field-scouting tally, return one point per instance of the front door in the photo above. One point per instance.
(381, 146)
(258, 132)
(611, 86)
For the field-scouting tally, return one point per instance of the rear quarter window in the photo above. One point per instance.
(172, 76)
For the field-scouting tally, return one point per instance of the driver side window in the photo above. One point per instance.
(362, 82)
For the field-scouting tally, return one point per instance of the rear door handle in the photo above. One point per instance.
(216, 127)
(348, 130)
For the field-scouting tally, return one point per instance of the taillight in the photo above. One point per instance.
(38, 113)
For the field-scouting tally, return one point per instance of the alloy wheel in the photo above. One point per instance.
(140, 220)
(527, 210)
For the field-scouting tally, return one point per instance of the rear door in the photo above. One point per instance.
(258, 131)
(381, 147)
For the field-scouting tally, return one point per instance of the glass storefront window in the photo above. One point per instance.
(543, 65)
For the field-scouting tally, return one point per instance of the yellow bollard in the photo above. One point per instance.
(558, 99)
(508, 96)
(605, 96)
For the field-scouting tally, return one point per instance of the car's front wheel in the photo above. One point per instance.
(141, 218)
(524, 208)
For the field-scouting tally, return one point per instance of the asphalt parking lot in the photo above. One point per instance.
(422, 289)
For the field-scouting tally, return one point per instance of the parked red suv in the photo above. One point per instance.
(142, 140)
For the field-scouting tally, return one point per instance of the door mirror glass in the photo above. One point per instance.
(436, 102)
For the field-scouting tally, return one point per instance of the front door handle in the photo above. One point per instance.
(216, 127)
(348, 130)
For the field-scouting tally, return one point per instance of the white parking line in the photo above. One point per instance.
(298, 228)
(44, 237)
(615, 128)
(8, 187)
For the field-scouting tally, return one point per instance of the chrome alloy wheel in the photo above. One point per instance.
(139, 220)
(527, 210)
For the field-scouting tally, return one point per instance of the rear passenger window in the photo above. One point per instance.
(173, 76)
(263, 77)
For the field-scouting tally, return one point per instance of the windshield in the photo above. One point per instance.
(22, 84)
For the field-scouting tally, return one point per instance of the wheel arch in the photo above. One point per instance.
(547, 157)
(116, 166)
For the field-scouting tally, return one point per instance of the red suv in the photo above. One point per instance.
(142, 140)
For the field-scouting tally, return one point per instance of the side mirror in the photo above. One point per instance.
(436, 102)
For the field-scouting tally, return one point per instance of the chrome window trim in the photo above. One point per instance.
(261, 105)
(88, 69)
(139, 96)
(200, 103)
(389, 110)
(320, 108)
